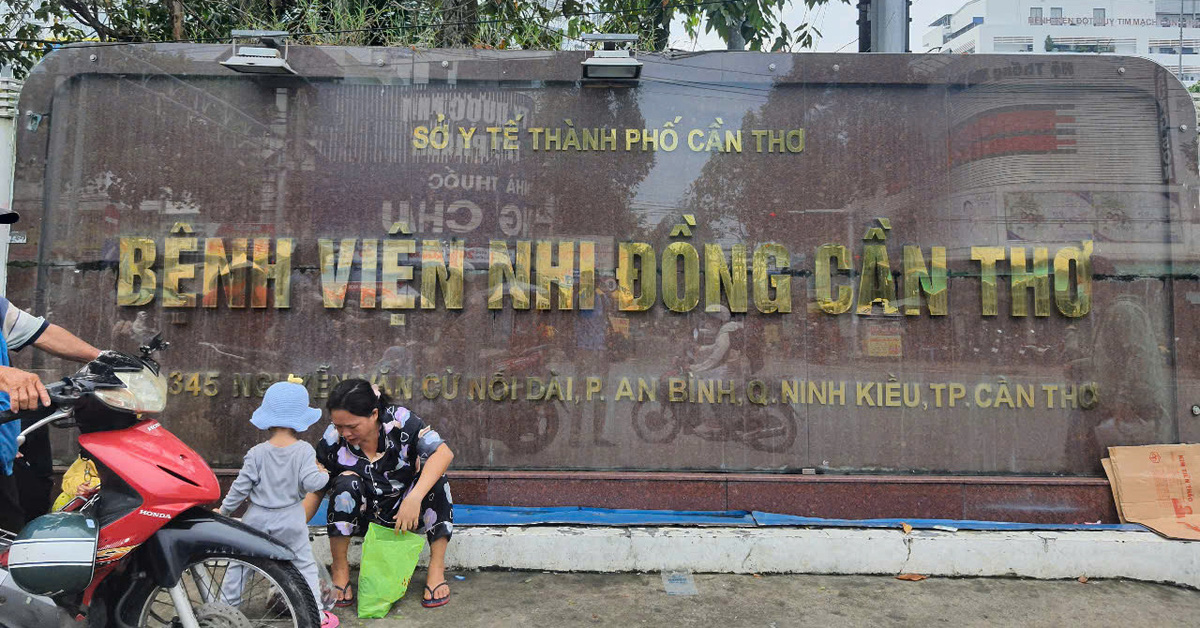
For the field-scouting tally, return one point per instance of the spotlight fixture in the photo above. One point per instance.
(610, 63)
(266, 55)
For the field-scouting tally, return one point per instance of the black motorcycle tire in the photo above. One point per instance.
(655, 422)
(285, 576)
(778, 439)
(543, 428)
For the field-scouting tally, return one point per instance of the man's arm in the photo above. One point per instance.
(20, 329)
(62, 343)
(719, 348)
(25, 390)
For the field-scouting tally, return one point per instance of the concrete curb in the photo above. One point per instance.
(1036, 554)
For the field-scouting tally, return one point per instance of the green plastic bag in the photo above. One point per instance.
(388, 562)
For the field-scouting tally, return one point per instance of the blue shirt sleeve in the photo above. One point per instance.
(8, 443)
(10, 430)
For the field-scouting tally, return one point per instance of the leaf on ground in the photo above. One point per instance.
(1082, 579)
(907, 528)
(911, 577)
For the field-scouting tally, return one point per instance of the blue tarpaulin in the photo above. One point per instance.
(516, 516)
(772, 519)
(467, 515)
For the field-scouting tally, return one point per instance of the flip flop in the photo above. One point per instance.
(344, 602)
(434, 601)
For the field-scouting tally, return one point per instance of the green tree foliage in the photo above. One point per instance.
(26, 23)
(34, 27)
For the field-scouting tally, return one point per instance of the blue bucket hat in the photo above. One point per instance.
(285, 405)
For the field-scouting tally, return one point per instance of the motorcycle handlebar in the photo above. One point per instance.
(34, 414)
(38, 413)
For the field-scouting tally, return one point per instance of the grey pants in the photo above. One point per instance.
(289, 527)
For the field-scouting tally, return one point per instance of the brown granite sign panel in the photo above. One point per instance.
(762, 263)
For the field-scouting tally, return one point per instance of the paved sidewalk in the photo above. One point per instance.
(535, 599)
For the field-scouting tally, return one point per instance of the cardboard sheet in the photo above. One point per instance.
(1155, 485)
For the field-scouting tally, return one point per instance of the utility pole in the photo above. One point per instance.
(864, 25)
(883, 25)
(10, 89)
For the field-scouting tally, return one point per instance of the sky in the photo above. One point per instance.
(836, 22)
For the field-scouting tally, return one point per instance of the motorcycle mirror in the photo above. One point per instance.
(156, 344)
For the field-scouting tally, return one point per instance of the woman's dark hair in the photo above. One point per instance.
(358, 397)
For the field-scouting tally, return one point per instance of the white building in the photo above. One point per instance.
(1145, 28)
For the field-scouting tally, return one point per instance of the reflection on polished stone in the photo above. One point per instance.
(671, 276)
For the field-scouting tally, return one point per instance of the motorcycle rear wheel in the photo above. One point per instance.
(273, 593)
(533, 429)
(656, 422)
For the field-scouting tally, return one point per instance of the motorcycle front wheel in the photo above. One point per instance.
(773, 431)
(236, 592)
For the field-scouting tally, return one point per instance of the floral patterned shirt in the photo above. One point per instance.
(405, 442)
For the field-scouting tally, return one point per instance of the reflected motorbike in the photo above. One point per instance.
(770, 428)
(141, 550)
(527, 427)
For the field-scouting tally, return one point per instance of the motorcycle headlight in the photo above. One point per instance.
(143, 392)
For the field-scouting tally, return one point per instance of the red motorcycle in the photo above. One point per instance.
(529, 427)
(142, 550)
(770, 428)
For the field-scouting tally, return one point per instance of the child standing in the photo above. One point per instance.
(275, 477)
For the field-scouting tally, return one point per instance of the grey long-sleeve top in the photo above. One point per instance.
(276, 477)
